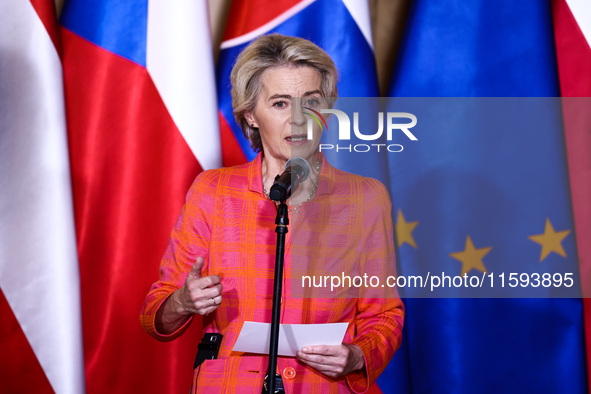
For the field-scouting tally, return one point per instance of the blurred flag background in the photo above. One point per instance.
(145, 112)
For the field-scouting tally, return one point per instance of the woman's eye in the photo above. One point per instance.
(313, 102)
(280, 104)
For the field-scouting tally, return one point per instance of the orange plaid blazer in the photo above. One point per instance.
(228, 220)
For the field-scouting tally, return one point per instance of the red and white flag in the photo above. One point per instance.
(38, 262)
(572, 32)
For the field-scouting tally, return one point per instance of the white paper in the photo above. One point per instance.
(254, 337)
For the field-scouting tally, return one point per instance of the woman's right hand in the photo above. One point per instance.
(199, 295)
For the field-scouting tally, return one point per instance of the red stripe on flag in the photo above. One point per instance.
(246, 16)
(46, 11)
(232, 154)
(374, 389)
(573, 52)
(20, 371)
(574, 68)
(131, 169)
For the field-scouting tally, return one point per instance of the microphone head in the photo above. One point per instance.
(296, 171)
(299, 167)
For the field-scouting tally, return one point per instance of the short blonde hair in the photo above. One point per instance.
(274, 50)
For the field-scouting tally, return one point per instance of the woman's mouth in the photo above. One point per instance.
(296, 138)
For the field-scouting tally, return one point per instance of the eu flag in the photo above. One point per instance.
(480, 199)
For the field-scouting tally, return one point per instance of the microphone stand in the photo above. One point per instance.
(282, 220)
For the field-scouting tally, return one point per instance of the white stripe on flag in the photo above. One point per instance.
(581, 10)
(38, 261)
(359, 10)
(180, 62)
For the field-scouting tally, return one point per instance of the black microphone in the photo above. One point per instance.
(296, 171)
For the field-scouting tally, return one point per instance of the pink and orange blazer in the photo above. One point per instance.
(229, 221)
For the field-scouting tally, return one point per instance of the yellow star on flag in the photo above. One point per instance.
(471, 257)
(404, 231)
(551, 240)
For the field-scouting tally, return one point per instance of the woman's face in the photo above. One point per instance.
(279, 115)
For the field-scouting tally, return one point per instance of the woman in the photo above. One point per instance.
(220, 259)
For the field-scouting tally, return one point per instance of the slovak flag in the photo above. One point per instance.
(341, 27)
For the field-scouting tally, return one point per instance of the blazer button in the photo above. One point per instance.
(289, 373)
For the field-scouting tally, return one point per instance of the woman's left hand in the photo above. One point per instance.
(333, 361)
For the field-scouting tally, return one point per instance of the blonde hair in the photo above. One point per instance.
(274, 50)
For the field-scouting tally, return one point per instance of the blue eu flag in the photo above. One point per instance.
(484, 200)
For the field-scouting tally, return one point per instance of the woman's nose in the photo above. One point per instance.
(297, 115)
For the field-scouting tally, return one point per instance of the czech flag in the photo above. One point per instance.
(142, 123)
